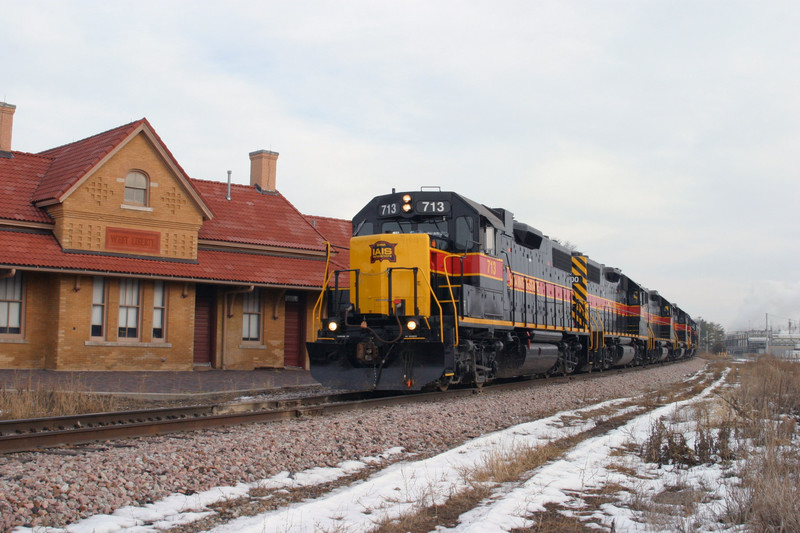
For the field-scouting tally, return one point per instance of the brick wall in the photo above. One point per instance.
(77, 350)
(235, 354)
(32, 347)
(98, 203)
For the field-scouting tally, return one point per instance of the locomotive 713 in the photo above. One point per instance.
(444, 290)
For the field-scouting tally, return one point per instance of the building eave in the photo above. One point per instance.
(210, 244)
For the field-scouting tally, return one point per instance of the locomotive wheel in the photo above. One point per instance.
(476, 373)
(638, 357)
(606, 358)
(569, 361)
(443, 385)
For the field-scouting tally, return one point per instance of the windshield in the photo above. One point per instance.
(435, 228)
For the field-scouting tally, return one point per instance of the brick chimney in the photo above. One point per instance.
(6, 125)
(263, 165)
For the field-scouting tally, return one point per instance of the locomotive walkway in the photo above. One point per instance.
(158, 385)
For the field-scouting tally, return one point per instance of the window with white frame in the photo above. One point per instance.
(136, 188)
(128, 309)
(11, 305)
(98, 307)
(159, 311)
(251, 316)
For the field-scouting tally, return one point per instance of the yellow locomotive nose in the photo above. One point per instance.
(388, 269)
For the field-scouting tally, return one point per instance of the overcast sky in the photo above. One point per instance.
(660, 137)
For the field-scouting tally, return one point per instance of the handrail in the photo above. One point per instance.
(452, 296)
(600, 333)
(591, 331)
(651, 339)
(441, 311)
(389, 271)
(326, 278)
(355, 271)
(677, 336)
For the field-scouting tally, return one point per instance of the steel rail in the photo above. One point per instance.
(28, 434)
(34, 434)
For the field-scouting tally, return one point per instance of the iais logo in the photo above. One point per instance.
(383, 251)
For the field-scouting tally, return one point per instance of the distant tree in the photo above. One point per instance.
(712, 336)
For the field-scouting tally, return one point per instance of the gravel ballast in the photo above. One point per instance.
(60, 486)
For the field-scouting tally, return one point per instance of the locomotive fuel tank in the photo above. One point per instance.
(625, 355)
(662, 354)
(539, 358)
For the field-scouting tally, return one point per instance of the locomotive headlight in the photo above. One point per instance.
(411, 325)
(407, 207)
(332, 325)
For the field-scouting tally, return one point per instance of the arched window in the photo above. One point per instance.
(136, 188)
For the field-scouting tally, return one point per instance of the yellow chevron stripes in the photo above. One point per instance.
(580, 314)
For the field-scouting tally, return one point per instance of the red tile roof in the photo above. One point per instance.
(338, 232)
(41, 251)
(249, 218)
(72, 161)
(255, 217)
(19, 177)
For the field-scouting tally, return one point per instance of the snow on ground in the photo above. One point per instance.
(584, 468)
(404, 486)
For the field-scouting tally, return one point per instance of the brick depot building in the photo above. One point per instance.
(112, 258)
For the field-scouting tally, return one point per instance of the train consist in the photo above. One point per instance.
(442, 290)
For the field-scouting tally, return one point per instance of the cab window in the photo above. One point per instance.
(464, 236)
(364, 228)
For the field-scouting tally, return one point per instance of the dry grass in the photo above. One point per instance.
(673, 509)
(764, 412)
(503, 467)
(753, 423)
(31, 402)
(495, 468)
(551, 520)
(431, 517)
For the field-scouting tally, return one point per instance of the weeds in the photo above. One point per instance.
(430, 517)
(31, 402)
(753, 422)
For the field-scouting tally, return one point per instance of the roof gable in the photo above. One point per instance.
(75, 162)
(72, 162)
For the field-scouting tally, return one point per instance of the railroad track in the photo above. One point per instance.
(38, 433)
(35, 433)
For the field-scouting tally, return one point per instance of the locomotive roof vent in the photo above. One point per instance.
(612, 274)
(527, 236)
